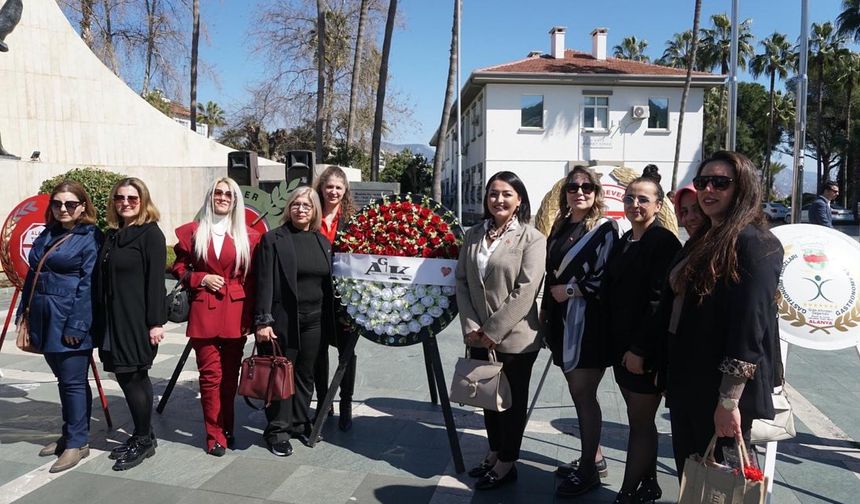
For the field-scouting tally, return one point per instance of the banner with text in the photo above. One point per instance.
(397, 269)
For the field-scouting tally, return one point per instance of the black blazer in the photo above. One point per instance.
(275, 272)
(631, 292)
(737, 321)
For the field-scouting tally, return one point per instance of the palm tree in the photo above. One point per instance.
(376, 141)
(848, 71)
(716, 51)
(632, 48)
(356, 72)
(320, 115)
(849, 20)
(776, 60)
(677, 50)
(824, 46)
(690, 62)
(195, 44)
(446, 106)
(212, 115)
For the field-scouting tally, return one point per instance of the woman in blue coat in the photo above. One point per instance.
(60, 312)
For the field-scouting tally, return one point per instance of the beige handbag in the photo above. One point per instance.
(481, 383)
(778, 429)
(706, 482)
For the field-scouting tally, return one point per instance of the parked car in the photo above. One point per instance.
(839, 214)
(775, 211)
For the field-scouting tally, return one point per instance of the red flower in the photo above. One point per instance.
(422, 241)
(426, 252)
(425, 212)
(753, 473)
(435, 219)
(372, 213)
(436, 241)
(450, 238)
(443, 227)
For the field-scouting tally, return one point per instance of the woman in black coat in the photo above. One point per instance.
(294, 308)
(130, 286)
(634, 277)
(722, 344)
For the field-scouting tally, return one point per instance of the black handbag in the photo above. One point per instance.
(177, 301)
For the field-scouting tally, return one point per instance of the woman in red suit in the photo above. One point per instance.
(213, 258)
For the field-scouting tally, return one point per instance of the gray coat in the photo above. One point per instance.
(503, 305)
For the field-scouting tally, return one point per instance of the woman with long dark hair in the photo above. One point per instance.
(580, 242)
(630, 294)
(130, 288)
(59, 314)
(499, 273)
(332, 187)
(213, 260)
(722, 352)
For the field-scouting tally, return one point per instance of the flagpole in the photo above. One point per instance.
(731, 134)
(800, 114)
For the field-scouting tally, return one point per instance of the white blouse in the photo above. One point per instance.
(485, 250)
(219, 230)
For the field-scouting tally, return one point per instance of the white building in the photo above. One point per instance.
(542, 115)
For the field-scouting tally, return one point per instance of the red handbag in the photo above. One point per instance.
(267, 377)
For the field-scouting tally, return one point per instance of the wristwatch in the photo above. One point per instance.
(570, 291)
(728, 403)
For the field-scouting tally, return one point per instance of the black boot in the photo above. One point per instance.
(120, 450)
(139, 449)
(649, 490)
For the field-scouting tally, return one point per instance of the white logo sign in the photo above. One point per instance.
(28, 238)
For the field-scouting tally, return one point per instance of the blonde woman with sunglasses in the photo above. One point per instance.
(213, 260)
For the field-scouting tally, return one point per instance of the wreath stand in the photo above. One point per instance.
(436, 382)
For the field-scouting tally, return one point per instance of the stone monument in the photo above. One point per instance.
(10, 15)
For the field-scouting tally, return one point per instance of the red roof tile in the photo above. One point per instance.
(576, 62)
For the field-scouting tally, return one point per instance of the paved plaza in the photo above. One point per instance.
(398, 449)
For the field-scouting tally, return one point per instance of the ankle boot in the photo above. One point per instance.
(649, 490)
(54, 448)
(120, 450)
(139, 449)
(70, 458)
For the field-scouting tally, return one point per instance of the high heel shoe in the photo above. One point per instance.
(626, 497)
(649, 491)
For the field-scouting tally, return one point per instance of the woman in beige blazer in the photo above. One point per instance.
(499, 273)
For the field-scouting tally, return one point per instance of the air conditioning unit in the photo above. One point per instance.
(640, 112)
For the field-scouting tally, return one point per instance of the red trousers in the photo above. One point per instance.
(218, 361)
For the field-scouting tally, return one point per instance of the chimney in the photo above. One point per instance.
(556, 42)
(598, 43)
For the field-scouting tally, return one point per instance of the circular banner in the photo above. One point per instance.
(394, 269)
(23, 225)
(819, 307)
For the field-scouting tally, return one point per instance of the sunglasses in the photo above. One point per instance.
(573, 188)
(71, 206)
(629, 199)
(225, 194)
(718, 182)
(132, 200)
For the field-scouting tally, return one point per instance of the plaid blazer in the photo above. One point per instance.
(503, 304)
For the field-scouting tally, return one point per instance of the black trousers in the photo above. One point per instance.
(291, 417)
(692, 422)
(347, 385)
(505, 429)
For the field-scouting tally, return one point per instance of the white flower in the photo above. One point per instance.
(351, 310)
(410, 298)
(414, 326)
(448, 290)
(435, 311)
(389, 329)
(405, 315)
(402, 329)
(417, 309)
(434, 290)
(398, 304)
(427, 301)
(386, 294)
(385, 306)
(443, 302)
(379, 330)
(425, 320)
(420, 291)
(399, 291)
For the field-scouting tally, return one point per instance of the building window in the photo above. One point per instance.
(480, 114)
(475, 121)
(531, 111)
(658, 113)
(466, 126)
(596, 112)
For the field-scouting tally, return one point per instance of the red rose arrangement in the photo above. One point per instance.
(404, 225)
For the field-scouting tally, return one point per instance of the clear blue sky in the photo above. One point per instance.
(493, 32)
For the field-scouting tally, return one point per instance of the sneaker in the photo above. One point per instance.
(566, 470)
(578, 484)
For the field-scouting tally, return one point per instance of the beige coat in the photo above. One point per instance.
(504, 304)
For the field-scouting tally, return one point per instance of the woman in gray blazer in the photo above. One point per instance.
(499, 273)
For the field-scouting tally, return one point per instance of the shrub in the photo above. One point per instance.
(98, 184)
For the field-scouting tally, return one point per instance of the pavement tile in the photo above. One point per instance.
(76, 486)
(390, 489)
(251, 477)
(8, 472)
(202, 497)
(310, 485)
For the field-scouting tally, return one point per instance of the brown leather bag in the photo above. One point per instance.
(267, 377)
(22, 339)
